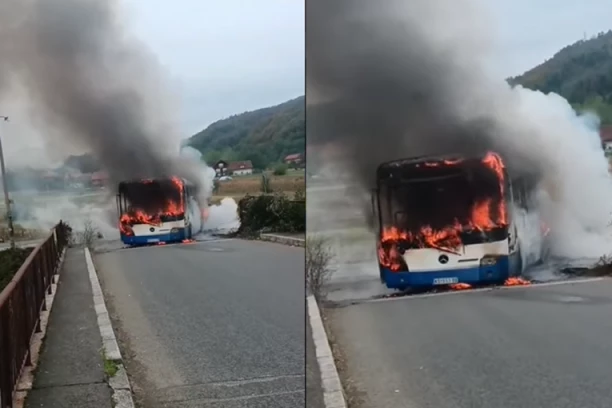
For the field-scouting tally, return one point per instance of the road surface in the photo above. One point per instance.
(544, 347)
(210, 324)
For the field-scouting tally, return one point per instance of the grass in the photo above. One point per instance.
(10, 262)
(252, 184)
(216, 199)
(110, 367)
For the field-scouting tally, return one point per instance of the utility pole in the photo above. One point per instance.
(7, 200)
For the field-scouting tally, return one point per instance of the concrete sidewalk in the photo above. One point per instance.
(70, 371)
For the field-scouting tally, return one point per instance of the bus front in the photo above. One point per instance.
(152, 211)
(443, 221)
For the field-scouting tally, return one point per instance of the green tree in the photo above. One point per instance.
(280, 170)
(264, 136)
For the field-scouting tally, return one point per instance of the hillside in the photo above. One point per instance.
(264, 136)
(581, 73)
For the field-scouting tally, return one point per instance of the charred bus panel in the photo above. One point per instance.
(155, 211)
(446, 220)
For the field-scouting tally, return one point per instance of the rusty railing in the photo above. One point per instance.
(21, 303)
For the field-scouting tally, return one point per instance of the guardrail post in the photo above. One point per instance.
(27, 316)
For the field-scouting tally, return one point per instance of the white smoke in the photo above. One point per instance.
(576, 193)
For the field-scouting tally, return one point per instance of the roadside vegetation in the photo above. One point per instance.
(318, 271)
(267, 213)
(10, 262)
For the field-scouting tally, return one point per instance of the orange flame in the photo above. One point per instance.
(460, 286)
(137, 216)
(205, 213)
(516, 282)
(448, 238)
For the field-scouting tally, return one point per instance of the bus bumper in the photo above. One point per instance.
(140, 240)
(476, 275)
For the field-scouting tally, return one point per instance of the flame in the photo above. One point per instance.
(137, 216)
(447, 239)
(188, 241)
(495, 163)
(516, 282)
(205, 213)
(545, 229)
(460, 286)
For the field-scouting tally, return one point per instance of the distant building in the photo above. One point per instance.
(605, 133)
(241, 168)
(294, 160)
(99, 179)
(221, 168)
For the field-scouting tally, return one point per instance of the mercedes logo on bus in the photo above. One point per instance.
(152, 229)
(443, 259)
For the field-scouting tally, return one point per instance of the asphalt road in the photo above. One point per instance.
(540, 347)
(210, 324)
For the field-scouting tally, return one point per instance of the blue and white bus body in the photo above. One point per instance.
(489, 262)
(170, 231)
(166, 232)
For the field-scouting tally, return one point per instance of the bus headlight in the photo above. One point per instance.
(174, 230)
(488, 260)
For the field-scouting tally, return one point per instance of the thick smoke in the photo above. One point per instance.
(91, 83)
(411, 79)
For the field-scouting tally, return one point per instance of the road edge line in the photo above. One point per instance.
(26, 378)
(119, 383)
(333, 393)
(279, 239)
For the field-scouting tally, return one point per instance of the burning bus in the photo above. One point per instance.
(157, 211)
(449, 221)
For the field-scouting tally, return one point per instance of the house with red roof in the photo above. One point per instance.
(240, 168)
(294, 160)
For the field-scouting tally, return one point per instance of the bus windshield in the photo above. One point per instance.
(151, 201)
(444, 205)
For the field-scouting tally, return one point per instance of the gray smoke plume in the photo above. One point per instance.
(405, 79)
(393, 84)
(92, 83)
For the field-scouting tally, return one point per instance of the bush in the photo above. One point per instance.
(10, 262)
(281, 170)
(318, 272)
(271, 213)
(87, 236)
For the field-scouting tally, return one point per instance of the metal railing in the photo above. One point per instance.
(21, 303)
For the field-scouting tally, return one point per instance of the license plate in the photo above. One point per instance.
(445, 281)
(153, 240)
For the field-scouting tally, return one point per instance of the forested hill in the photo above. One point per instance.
(581, 73)
(264, 136)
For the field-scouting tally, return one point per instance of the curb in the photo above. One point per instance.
(119, 383)
(282, 239)
(26, 378)
(333, 394)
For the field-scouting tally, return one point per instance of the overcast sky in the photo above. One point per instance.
(531, 31)
(225, 57)
(229, 56)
